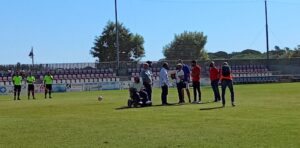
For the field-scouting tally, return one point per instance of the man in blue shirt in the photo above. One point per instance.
(146, 75)
(164, 82)
(187, 75)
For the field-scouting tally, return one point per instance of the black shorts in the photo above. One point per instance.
(196, 84)
(186, 85)
(49, 87)
(30, 87)
(17, 88)
(181, 85)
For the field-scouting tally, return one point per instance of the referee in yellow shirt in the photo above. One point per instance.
(17, 81)
(30, 81)
(48, 80)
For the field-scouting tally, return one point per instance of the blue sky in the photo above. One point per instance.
(64, 30)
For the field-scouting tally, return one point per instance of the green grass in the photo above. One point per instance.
(266, 115)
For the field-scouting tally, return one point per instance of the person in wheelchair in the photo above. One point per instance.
(138, 95)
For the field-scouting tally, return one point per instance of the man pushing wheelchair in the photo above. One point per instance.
(138, 95)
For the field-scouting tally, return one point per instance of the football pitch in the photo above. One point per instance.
(266, 115)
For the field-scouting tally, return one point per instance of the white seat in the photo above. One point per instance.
(108, 79)
(73, 81)
(91, 80)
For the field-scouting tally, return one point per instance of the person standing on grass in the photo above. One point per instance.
(146, 75)
(214, 76)
(187, 75)
(48, 81)
(227, 80)
(30, 81)
(17, 81)
(164, 82)
(196, 71)
(180, 83)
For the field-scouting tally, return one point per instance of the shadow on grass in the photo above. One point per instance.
(199, 103)
(172, 104)
(211, 108)
(159, 105)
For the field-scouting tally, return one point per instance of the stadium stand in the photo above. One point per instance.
(62, 76)
(244, 71)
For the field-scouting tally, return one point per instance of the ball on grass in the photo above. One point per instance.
(100, 98)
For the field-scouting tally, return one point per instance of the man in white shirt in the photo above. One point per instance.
(164, 82)
(180, 83)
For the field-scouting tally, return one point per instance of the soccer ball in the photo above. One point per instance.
(100, 98)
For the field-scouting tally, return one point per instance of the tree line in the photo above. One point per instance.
(187, 45)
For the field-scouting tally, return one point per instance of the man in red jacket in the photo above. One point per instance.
(196, 71)
(214, 75)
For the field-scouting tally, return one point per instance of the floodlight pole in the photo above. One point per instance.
(267, 33)
(117, 36)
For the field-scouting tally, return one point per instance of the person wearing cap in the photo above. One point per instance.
(30, 81)
(196, 71)
(227, 80)
(17, 81)
(180, 82)
(48, 80)
(214, 76)
(164, 82)
(146, 76)
(187, 75)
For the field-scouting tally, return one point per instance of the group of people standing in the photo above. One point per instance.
(17, 80)
(183, 76)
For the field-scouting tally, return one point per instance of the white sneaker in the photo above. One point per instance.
(148, 102)
(194, 102)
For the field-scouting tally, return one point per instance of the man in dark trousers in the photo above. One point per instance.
(30, 81)
(214, 75)
(226, 80)
(146, 75)
(196, 71)
(164, 82)
(179, 76)
(187, 75)
(17, 81)
(48, 81)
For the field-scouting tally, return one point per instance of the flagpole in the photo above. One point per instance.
(32, 57)
(32, 60)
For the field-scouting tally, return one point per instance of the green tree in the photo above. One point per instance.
(251, 51)
(187, 46)
(130, 45)
(247, 54)
(220, 55)
(296, 52)
(278, 52)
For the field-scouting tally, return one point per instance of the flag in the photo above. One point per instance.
(31, 53)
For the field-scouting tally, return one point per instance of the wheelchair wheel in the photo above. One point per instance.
(129, 103)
